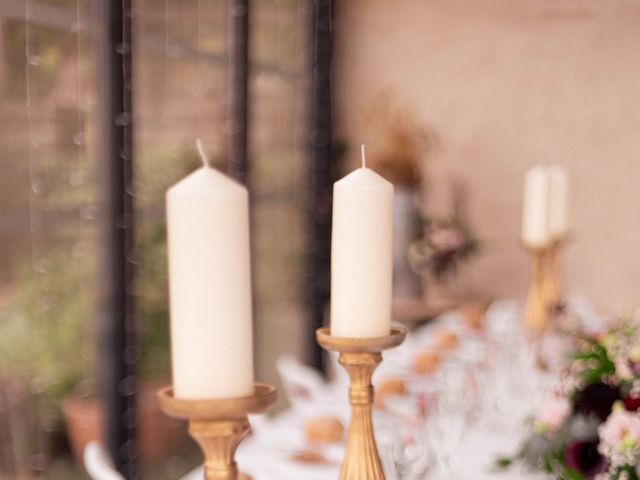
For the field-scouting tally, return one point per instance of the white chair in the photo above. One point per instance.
(98, 464)
(301, 384)
(197, 474)
(100, 467)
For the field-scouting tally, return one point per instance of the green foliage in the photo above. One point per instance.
(555, 465)
(627, 472)
(595, 362)
(46, 48)
(504, 462)
(48, 329)
(152, 304)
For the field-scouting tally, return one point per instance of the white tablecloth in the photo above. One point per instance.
(267, 454)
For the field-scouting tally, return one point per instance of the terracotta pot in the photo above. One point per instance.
(159, 435)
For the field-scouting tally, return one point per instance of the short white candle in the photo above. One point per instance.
(558, 202)
(535, 209)
(210, 286)
(361, 262)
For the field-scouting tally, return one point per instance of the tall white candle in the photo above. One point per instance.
(558, 202)
(210, 286)
(361, 262)
(535, 209)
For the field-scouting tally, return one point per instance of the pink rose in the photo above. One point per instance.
(449, 238)
(623, 369)
(621, 430)
(552, 413)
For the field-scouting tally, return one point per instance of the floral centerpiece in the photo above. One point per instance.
(443, 246)
(589, 428)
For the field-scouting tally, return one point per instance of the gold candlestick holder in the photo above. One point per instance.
(360, 357)
(537, 310)
(218, 425)
(553, 273)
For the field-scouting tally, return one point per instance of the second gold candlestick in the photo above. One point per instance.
(537, 309)
(553, 274)
(360, 357)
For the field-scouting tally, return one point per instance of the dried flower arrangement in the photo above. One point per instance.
(403, 142)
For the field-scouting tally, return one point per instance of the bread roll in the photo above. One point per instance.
(427, 363)
(324, 430)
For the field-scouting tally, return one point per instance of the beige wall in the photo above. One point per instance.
(507, 84)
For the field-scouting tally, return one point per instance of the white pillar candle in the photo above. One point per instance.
(558, 202)
(535, 209)
(210, 286)
(361, 255)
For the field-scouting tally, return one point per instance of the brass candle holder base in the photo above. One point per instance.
(218, 425)
(360, 357)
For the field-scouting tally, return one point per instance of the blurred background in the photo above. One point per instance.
(50, 216)
(455, 100)
(505, 85)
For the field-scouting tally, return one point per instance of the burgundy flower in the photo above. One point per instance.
(583, 457)
(632, 404)
(597, 399)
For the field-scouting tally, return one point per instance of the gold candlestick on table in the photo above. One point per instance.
(360, 357)
(219, 425)
(553, 273)
(537, 310)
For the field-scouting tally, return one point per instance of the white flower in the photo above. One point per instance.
(623, 370)
(620, 437)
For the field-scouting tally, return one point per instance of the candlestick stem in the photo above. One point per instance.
(537, 312)
(219, 441)
(362, 459)
(553, 274)
(360, 357)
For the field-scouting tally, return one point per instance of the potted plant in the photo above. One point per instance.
(159, 435)
(48, 341)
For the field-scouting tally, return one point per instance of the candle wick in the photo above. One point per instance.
(203, 155)
(364, 159)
